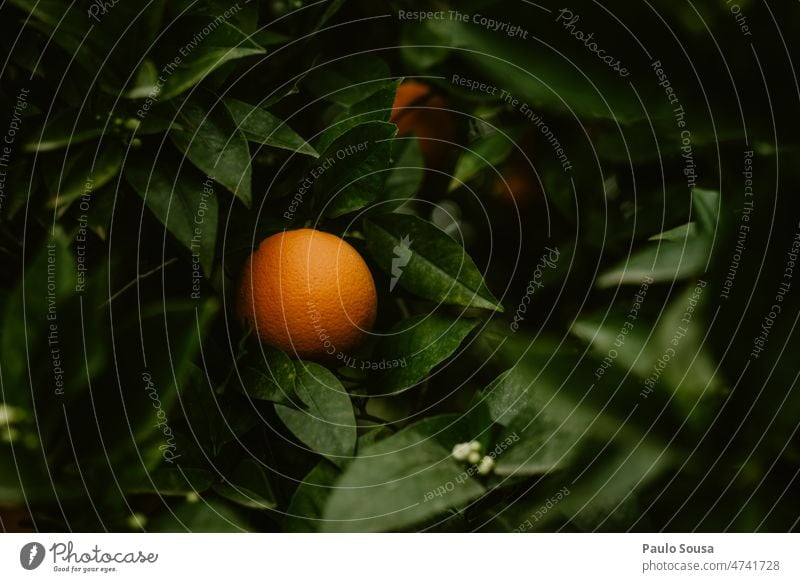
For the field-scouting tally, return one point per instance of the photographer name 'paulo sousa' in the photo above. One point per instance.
(680, 549)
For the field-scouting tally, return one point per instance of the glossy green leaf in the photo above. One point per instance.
(543, 438)
(627, 338)
(679, 253)
(417, 345)
(689, 376)
(261, 126)
(210, 138)
(351, 171)
(399, 482)
(678, 234)
(664, 262)
(375, 107)
(224, 43)
(326, 422)
(268, 375)
(706, 205)
(188, 208)
(438, 268)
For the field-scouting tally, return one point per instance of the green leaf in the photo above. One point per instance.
(507, 395)
(546, 444)
(615, 482)
(175, 481)
(206, 516)
(537, 75)
(375, 107)
(406, 177)
(706, 205)
(352, 168)
(348, 81)
(265, 37)
(144, 81)
(269, 375)
(223, 44)
(308, 502)
(327, 424)
(665, 261)
(486, 152)
(691, 377)
(404, 480)
(679, 253)
(438, 268)
(88, 171)
(188, 208)
(615, 332)
(248, 485)
(331, 9)
(544, 439)
(261, 126)
(677, 234)
(68, 127)
(207, 134)
(419, 344)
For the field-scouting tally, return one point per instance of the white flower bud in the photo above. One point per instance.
(475, 446)
(461, 451)
(486, 465)
(474, 457)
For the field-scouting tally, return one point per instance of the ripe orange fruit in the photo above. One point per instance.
(419, 111)
(308, 293)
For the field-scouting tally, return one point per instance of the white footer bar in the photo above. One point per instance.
(400, 557)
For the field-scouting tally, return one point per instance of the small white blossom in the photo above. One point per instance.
(475, 446)
(474, 457)
(486, 465)
(461, 451)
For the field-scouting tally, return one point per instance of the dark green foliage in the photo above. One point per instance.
(619, 336)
